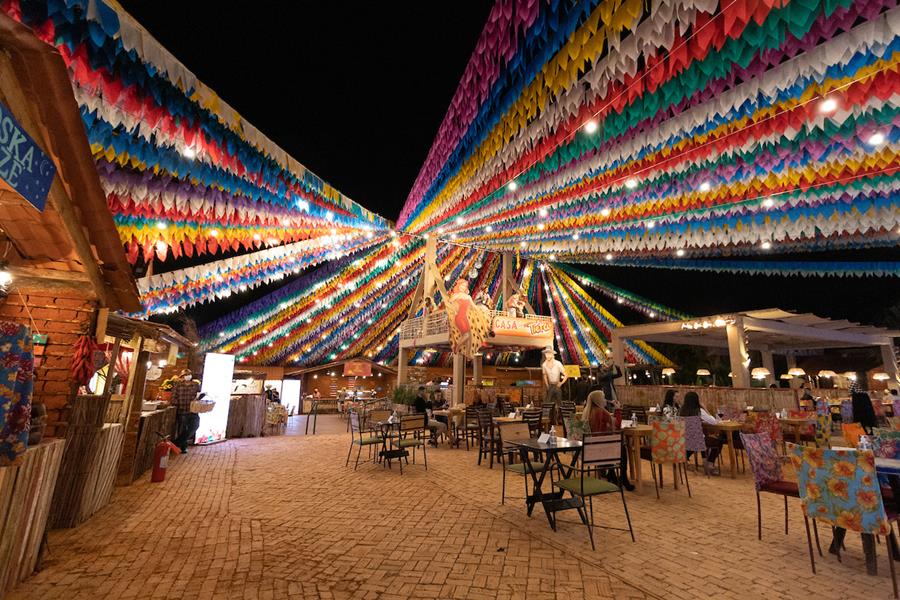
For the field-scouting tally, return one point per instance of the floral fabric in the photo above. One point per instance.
(896, 407)
(667, 441)
(767, 422)
(839, 487)
(846, 411)
(877, 407)
(804, 414)
(823, 430)
(764, 461)
(694, 438)
(16, 386)
(886, 443)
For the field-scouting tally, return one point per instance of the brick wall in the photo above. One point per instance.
(61, 315)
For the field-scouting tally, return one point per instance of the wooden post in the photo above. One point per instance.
(402, 366)
(769, 363)
(890, 363)
(618, 354)
(132, 411)
(737, 354)
(111, 367)
(476, 368)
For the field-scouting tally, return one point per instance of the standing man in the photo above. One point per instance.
(554, 376)
(183, 393)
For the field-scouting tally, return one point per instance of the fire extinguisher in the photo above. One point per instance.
(161, 458)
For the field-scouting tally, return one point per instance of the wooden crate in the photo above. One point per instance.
(25, 495)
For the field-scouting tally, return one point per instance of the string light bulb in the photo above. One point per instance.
(631, 183)
(591, 126)
(876, 139)
(828, 105)
(513, 186)
(189, 153)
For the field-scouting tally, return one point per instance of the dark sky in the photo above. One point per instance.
(356, 92)
(353, 90)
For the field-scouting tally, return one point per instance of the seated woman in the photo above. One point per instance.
(422, 406)
(599, 419)
(692, 408)
(671, 399)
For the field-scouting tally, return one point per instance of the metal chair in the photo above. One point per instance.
(599, 452)
(359, 439)
(506, 434)
(412, 433)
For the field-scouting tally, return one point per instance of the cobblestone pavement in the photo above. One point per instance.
(283, 517)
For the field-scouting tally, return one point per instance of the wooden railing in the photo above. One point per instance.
(712, 397)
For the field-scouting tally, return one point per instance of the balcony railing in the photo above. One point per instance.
(437, 324)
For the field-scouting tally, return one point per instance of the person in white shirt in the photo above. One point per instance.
(691, 408)
(554, 375)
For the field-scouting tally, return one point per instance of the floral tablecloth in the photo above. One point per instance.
(16, 386)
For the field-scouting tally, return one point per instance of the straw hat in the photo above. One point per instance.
(185, 372)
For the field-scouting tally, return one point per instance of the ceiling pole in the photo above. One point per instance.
(769, 363)
(737, 354)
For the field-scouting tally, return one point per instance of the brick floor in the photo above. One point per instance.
(281, 517)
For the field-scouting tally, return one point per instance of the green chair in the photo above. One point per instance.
(360, 439)
(413, 434)
(508, 433)
(599, 452)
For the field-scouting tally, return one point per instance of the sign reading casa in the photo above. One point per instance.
(23, 165)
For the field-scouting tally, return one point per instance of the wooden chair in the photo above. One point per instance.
(469, 427)
(667, 447)
(824, 476)
(599, 452)
(488, 442)
(533, 417)
(767, 475)
(360, 439)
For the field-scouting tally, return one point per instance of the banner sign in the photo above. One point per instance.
(537, 332)
(23, 165)
(357, 368)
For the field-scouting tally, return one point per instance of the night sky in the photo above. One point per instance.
(357, 91)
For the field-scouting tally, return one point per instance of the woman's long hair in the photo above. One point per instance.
(691, 405)
(670, 397)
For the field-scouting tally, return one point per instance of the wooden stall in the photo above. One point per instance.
(26, 491)
(64, 264)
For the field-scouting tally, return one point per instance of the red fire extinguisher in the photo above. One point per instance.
(161, 459)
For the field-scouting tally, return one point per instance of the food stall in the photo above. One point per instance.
(61, 262)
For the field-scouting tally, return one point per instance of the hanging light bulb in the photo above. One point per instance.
(591, 126)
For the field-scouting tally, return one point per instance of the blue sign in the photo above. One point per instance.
(23, 165)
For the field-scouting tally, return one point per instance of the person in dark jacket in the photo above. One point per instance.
(608, 373)
(863, 412)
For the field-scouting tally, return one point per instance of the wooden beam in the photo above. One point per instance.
(59, 196)
(813, 333)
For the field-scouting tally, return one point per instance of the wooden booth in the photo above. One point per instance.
(62, 260)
